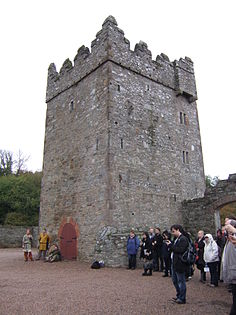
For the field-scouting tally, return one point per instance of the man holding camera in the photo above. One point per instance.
(178, 248)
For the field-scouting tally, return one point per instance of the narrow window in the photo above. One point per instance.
(181, 117)
(96, 144)
(121, 143)
(118, 88)
(185, 119)
(187, 158)
(183, 156)
(71, 106)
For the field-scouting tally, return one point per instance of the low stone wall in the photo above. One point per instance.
(111, 246)
(11, 236)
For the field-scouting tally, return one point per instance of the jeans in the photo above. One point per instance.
(132, 261)
(180, 284)
(213, 272)
(148, 266)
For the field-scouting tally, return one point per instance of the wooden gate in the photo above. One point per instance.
(68, 242)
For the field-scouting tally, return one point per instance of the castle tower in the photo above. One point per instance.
(122, 146)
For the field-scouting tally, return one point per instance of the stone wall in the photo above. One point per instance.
(111, 245)
(11, 236)
(202, 213)
(122, 143)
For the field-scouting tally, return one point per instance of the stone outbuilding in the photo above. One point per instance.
(204, 213)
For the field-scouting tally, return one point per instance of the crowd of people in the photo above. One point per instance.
(172, 252)
(175, 254)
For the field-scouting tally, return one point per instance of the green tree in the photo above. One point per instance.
(6, 163)
(20, 198)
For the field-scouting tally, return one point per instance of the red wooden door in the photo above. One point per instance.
(68, 242)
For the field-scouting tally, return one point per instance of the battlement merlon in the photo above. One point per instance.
(111, 45)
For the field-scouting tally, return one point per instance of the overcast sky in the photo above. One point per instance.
(36, 33)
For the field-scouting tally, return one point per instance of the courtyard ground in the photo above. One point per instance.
(71, 287)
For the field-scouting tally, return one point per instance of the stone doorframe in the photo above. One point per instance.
(215, 207)
(204, 213)
(70, 220)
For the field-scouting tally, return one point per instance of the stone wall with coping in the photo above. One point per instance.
(11, 236)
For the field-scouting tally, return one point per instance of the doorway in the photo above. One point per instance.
(68, 242)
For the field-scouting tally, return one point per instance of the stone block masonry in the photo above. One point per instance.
(204, 213)
(11, 236)
(122, 144)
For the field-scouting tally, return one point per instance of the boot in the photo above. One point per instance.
(150, 272)
(25, 256)
(145, 273)
(203, 277)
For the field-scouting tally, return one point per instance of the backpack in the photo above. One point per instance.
(189, 256)
(95, 265)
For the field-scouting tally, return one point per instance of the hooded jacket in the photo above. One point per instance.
(210, 250)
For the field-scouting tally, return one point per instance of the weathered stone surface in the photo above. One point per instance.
(122, 144)
(203, 213)
(11, 236)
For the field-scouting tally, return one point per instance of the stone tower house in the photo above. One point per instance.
(122, 146)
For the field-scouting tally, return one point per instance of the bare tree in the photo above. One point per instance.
(20, 163)
(9, 166)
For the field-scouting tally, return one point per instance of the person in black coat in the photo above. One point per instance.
(166, 253)
(157, 242)
(200, 263)
(178, 248)
(146, 254)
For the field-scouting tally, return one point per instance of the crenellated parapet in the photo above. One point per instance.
(185, 79)
(111, 45)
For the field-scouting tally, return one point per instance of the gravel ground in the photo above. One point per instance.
(73, 288)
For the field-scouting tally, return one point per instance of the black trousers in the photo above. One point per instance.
(233, 308)
(203, 275)
(213, 272)
(218, 268)
(167, 261)
(132, 261)
(156, 258)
